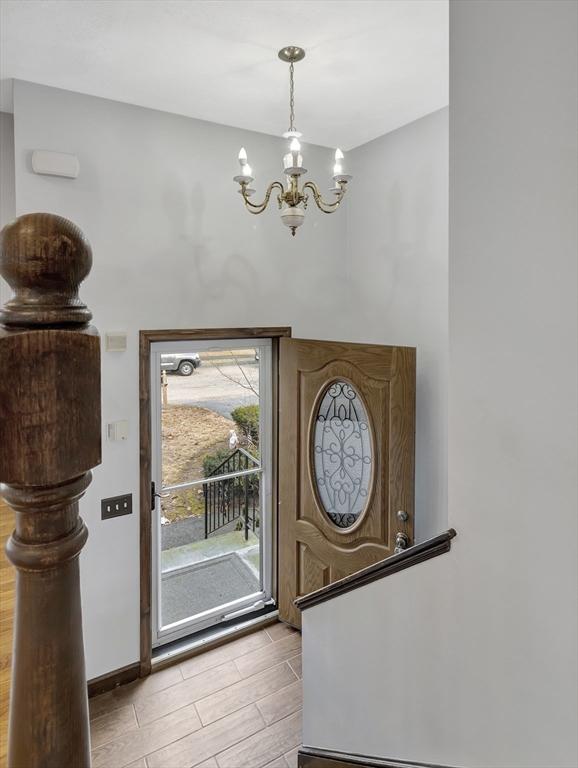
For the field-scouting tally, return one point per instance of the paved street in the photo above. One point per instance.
(183, 532)
(216, 386)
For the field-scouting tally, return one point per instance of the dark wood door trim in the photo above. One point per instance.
(146, 338)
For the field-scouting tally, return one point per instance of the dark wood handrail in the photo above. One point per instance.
(411, 556)
(50, 426)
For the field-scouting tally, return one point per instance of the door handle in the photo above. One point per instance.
(154, 495)
(401, 542)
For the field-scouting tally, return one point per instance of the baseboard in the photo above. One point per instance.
(113, 679)
(309, 757)
(174, 656)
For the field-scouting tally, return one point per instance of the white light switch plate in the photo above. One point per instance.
(117, 431)
(115, 341)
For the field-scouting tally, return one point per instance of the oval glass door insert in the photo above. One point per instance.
(342, 454)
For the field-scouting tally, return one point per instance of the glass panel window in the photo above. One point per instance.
(212, 431)
(211, 559)
(342, 454)
(208, 411)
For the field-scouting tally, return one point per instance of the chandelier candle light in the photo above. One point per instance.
(292, 200)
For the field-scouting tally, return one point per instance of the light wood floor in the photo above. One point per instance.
(6, 611)
(237, 706)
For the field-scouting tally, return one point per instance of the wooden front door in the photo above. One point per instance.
(346, 461)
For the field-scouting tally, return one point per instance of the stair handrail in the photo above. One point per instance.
(237, 450)
(407, 558)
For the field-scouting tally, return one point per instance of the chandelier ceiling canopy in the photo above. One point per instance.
(291, 198)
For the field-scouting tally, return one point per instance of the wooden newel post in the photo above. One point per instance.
(50, 440)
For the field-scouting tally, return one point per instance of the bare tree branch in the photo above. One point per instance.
(248, 385)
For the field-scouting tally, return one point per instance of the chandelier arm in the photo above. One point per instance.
(260, 207)
(321, 204)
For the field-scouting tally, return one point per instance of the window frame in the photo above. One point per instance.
(163, 634)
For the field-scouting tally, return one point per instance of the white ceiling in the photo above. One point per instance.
(371, 65)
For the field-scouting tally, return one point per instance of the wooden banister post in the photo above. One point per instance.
(50, 440)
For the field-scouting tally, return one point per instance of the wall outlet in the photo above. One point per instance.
(116, 506)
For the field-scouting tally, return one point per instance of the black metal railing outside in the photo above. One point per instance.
(231, 498)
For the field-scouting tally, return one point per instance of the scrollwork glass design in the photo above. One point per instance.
(342, 454)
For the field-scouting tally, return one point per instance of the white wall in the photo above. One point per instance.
(471, 659)
(7, 201)
(397, 255)
(173, 247)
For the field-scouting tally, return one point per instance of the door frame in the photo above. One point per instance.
(146, 338)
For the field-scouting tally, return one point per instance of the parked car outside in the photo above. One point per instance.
(183, 364)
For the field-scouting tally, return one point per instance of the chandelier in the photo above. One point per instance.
(292, 199)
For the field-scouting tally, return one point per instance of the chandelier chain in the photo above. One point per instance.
(291, 97)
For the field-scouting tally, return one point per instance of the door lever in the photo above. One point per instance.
(155, 495)
(401, 542)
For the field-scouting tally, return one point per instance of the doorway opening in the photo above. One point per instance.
(212, 459)
(221, 411)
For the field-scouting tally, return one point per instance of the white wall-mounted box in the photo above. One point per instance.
(115, 341)
(48, 163)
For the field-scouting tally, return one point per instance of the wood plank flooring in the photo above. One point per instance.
(237, 706)
(6, 612)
